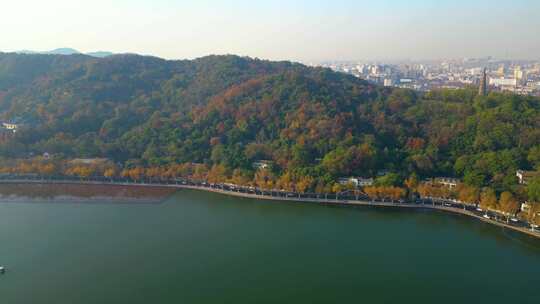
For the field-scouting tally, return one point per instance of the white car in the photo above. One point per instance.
(486, 216)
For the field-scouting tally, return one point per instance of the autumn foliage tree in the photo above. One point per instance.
(241, 177)
(533, 213)
(110, 172)
(264, 179)
(488, 199)
(286, 182)
(304, 183)
(135, 174)
(47, 169)
(508, 204)
(217, 174)
(382, 192)
(80, 171)
(468, 194)
(431, 190)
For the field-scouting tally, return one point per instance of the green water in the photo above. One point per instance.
(206, 248)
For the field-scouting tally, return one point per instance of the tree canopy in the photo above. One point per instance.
(226, 112)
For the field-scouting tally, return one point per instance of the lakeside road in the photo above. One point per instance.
(268, 195)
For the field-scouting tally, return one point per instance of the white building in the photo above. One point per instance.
(474, 71)
(356, 181)
(447, 181)
(10, 126)
(520, 75)
(525, 207)
(524, 176)
(503, 82)
(88, 161)
(262, 164)
(501, 71)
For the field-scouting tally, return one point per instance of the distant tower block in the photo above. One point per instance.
(483, 83)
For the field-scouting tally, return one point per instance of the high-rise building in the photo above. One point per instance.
(501, 71)
(483, 83)
(520, 75)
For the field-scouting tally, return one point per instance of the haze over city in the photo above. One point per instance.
(278, 30)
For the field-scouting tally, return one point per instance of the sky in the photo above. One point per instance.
(301, 30)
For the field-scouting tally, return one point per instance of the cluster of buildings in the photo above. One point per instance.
(359, 182)
(517, 76)
(524, 177)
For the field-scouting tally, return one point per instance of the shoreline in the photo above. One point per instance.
(320, 201)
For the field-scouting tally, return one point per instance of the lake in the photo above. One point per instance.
(199, 247)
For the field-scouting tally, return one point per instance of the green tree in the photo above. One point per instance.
(533, 190)
(389, 180)
(534, 157)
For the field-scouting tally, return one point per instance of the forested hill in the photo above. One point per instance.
(233, 111)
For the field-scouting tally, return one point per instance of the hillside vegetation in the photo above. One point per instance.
(227, 112)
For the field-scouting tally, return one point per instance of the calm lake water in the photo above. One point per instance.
(201, 247)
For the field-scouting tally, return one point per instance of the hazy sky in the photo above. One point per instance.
(296, 30)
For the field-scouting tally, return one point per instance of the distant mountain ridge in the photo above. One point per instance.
(67, 51)
(100, 54)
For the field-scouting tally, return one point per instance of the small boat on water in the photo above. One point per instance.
(2, 269)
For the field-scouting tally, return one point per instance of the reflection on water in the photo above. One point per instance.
(82, 193)
(97, 200)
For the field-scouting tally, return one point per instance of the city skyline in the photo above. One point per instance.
(301, 31)
(517, 76)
